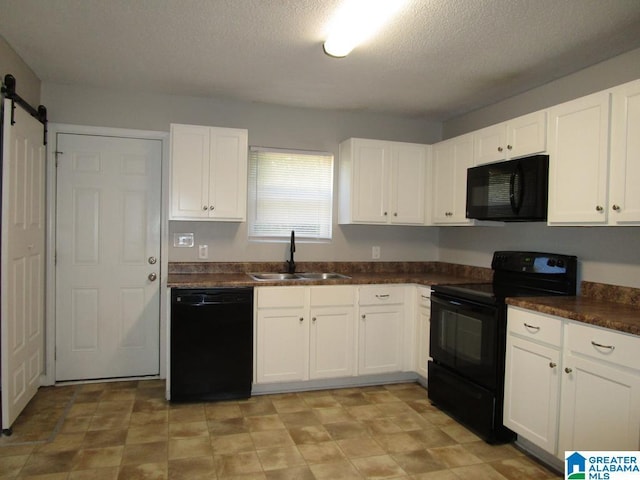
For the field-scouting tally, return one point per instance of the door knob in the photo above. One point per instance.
(152, 260)
(152, 277)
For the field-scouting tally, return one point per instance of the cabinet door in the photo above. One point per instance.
(451, 161)
(489, 144)
(408, 164)
(370, 181)
(380, 339)
(189, 171)
(332, 342)
(527, 135)
(578, 160)
(624, 194)
(228, 174)
(282, 345)
(600, 407)
(532, 391)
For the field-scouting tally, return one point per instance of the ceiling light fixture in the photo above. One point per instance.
(356, 21)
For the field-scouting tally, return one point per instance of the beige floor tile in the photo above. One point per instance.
(419, 461)
(188, 430)
(364, 412)
(324, 452)
(521, 468)
(277, 458)
(109, 421)
(237, 464)
(228, 444)
(382, 466)
(438, 475)
(333, 471)
(454, 456)
(89, 458)
(62, 442)
(138, 453)
(459, 433)
(107, 473)
(187, 413)
(189, 447)
(398, 442)
(271, 438)
(432, 437)
(381, 426)
(40, 463)
(293, 473)
(229, 426)
(222, 411)
(309, 435)
(299, 419)
(483, 471)
(104, 438)
(360, 447)
(140, 419)
(261, 407)
(148, 434)
(320, 400)
(492, 453)
(332, 414)
(11, 466)
(290, 405)
(201, 468)
(263, 423)
(144, 471)
(341, 430)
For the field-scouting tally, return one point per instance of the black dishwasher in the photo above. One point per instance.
(211, 343)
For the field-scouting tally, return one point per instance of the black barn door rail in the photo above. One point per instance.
(9, 91)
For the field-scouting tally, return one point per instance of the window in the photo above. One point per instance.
(290, 190)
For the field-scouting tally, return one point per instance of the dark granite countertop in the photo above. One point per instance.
(608, 306)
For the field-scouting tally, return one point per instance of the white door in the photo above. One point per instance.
(107, 257)
(23, 261)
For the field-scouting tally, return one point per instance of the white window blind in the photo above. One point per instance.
(290, 190)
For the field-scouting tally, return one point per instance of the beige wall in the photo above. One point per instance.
(607, 254)
(27, 83)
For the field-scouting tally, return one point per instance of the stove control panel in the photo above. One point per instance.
(534, 262)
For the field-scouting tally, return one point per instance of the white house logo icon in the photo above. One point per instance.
(576, 466)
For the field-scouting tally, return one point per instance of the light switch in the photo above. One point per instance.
(203, 252)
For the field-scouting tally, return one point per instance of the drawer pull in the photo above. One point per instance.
(552, 365)
(568, 370)
(610, 347)
(531, 327)
(386, 295)
(424, 297)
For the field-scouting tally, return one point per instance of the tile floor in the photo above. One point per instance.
(126, 430)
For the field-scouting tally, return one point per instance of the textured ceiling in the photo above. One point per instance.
(438, 58)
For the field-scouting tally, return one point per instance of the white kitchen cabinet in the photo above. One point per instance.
(532, 377)
(381, 329)
(451, 159)
(423, 321)
(208, 173)
(382, 182)
(600, 408)
(624, 194)
(571, 386)
(578, 160)
(304, 333)
(525, 135)
(332, 337)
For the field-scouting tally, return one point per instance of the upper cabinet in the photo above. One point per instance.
(525, 135)
(208, 173)
(578, 159)
(624, 173)
(451, 159)
(382, 182)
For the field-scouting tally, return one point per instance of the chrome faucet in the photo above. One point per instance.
(291, 265)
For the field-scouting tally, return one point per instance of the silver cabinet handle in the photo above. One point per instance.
(204, 207)
(152, 277)
(568, 370)
(532, 327)
(152, 260)
(210, 207)
(552, 365)
(610, 347)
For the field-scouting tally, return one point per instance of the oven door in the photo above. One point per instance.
(463, 338)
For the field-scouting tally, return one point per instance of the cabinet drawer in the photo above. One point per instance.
(326, 296)
(424, 296)
(280, 297)
(381, 295)
(603, 344)
(535, 326)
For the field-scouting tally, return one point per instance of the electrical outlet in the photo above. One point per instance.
(375, 253)
(203, 252)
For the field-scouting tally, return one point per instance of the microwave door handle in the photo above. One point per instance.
(519, 173)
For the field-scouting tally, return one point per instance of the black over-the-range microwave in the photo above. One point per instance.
(510, 191)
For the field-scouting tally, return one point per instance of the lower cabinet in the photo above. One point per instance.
(571, 386)
(423, 319)
(304, 333)
(381, 329)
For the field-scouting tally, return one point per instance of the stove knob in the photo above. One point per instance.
(551, 262)
(560, 263)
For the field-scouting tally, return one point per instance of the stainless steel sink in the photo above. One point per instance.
(321, 275)
(274, 276)
(271, 276)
